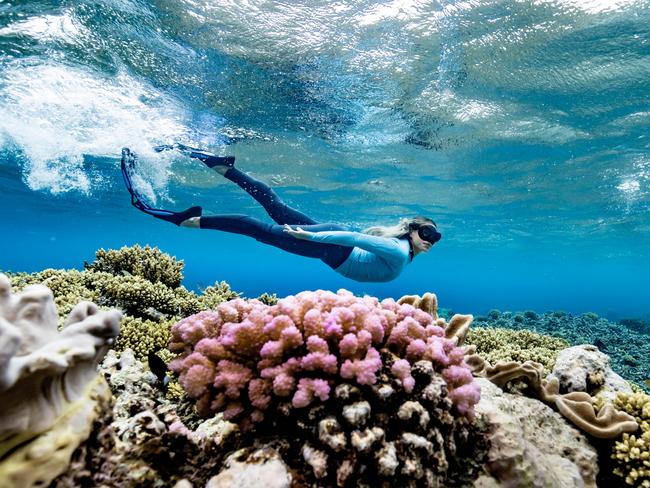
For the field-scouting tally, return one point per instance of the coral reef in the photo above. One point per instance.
(370, 392)
(49, 388)
(628, 350)
(334, 369)
(146, 262)
(497, 344)
(137, 280)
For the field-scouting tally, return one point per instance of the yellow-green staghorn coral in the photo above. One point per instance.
(146, 262)
(143, 336)
(216, 294)
(497, 344)
(632, 453)
(268, 299)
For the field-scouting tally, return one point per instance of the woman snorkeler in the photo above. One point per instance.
(377, 254)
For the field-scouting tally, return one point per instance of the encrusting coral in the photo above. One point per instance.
(50, 391)
(369, 388)
(496, 344)
(578, 407)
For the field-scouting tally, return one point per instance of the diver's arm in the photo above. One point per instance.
(384, 247)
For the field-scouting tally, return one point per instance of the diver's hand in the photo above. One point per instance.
(298, 233)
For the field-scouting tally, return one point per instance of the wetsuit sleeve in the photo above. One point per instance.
(384, 247)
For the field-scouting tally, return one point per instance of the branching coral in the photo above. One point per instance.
(143, 336)
(216, 294)
(245, 355)
(369, 390)
(632, 453)
(146, 262)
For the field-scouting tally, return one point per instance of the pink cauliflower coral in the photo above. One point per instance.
(242, 355)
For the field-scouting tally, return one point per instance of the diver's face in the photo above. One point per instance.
(419, 244)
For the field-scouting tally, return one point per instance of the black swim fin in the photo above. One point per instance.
(209, 159)
(128, 165)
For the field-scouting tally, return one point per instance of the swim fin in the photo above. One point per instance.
(209, 159)
(128, 165)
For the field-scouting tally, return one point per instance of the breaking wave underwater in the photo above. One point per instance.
(520, 126)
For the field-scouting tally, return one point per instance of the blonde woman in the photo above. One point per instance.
(377, 254)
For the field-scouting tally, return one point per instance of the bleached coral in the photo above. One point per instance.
(48, 379)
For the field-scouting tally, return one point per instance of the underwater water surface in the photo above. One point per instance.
(521, 128)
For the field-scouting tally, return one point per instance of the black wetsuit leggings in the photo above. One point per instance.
(331, 254)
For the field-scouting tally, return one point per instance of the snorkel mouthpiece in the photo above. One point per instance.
(429, 233)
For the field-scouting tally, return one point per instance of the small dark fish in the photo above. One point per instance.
(159, 368)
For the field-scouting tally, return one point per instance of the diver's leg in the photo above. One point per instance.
(274, 235)
(279, 211)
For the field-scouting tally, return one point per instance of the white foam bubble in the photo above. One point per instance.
(55, 114)
(47, 28)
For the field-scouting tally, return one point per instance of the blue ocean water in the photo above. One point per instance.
(521, 128)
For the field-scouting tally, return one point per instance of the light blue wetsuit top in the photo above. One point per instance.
(373, 258)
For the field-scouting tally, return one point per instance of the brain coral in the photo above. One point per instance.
(245, 354)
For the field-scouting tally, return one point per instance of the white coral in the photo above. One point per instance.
(42, 369)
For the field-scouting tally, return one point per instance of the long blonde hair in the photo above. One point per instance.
(399, 230)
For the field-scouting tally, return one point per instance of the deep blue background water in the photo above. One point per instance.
(521, 128)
